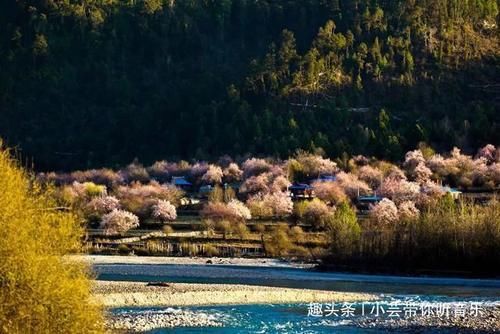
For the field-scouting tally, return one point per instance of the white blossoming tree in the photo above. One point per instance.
(213, 175)
(103, 204)
(239, 209)
(384, 213)
(164, 211)
(232, 173)
(118, 222)
(408, 211)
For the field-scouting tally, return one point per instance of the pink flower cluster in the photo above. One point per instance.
(384, 213)
(352, 186)
(258, 184)
(232, 173)
(330, 192)
(164, 211)
(255, 166)
(150, 190)
(119, 222)
(276, 204)
(239, 209)
(463, 171)
(313, 165)
(407, 210)
(213, 175)
(233, 211)
(103, 204)
(371, 175)
(399, 190)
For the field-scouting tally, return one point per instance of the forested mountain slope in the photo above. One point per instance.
(98, 82)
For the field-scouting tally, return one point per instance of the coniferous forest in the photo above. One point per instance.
(87, 83)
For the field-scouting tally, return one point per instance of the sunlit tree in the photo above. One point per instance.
(41, 290)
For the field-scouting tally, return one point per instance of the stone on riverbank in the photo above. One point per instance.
(169, 318)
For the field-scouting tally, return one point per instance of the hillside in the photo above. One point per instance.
(87, 83)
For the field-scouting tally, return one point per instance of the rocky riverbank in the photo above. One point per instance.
(487, 321)
(169, 318)
(134, 294)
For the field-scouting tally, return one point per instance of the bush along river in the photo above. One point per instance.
(406, 304)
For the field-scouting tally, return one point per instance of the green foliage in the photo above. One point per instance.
(466, 235)
(241, 230)
(225, 227)
(447, 235)
(152, 6)
(91, 83)
(278, 242)
(426, 150)
(211, 250)
(94, 190)
(315, 212)
(344, 231)
(40, 291)
(40, 45)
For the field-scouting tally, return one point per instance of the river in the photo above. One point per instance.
(399, 291)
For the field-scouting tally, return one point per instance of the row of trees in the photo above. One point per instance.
(444, 236)
(184, 79)
(259, 188)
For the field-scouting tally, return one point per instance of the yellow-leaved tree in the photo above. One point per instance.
(41, 291)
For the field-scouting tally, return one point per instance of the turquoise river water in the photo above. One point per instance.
(399, 294)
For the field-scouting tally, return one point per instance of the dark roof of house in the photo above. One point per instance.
(180, 181)
(325, 178)
(300, 186)
(206, 188)
(373, 198)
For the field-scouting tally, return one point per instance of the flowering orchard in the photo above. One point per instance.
(261, 188)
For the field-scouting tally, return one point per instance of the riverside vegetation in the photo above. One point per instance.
(413, 223)
(40, 291)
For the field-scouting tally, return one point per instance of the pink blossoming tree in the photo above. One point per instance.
(255, 166)
(103, 204)
(239, 209)
(277, 204)
(408, 210)
(371, 175)
(487, 152)
(232, 173)
(384, 213)
(213, 175)
(256, 184)
(164, 211)
(198, 170)
(118, 222)
(399, 190)
(413, 159)
(218, 211)
(352, 186)
(330, 192)
(421, 173)
(280, 184)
